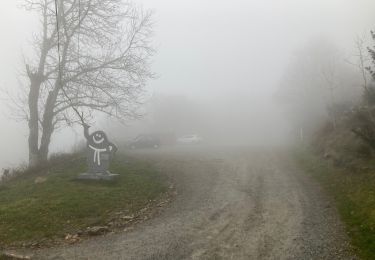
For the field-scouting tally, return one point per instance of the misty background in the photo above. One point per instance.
(219, 66)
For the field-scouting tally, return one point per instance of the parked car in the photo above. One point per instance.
(189, 139)
(145, 141)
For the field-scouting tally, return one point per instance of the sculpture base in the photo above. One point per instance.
(97, 176)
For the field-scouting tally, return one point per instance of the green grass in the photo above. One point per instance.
(354, 193)
(61, 204)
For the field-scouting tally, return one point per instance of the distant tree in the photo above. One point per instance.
(90, 55)
(371, 51)
(315, 84)
(362, 61)
(364, 116)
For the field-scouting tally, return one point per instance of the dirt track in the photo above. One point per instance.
(231, 204)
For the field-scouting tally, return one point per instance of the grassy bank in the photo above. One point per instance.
(49, 203)
(354, 193)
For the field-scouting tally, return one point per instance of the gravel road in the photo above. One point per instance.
(232, 203)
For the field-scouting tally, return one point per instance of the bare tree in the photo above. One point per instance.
(361, 61)
(363, 118)
(91, 55)
(316, 87)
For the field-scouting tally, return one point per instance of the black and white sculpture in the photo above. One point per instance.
(99, 154)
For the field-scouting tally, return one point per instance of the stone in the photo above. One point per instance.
(72, 238)
(13, 256)
(98, 230)
(128, 217)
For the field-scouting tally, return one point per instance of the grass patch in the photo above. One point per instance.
(32, 211)
(354, 193)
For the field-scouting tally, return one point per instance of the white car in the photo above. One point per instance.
(189, 139)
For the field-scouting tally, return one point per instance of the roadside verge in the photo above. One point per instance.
(354, 195)
(49, 206)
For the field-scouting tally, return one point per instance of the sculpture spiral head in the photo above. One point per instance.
(98, 138)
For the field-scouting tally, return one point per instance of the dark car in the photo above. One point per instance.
(145, 141)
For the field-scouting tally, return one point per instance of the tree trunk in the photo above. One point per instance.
(44, 146)
(36, 80)
(33, 122)
(47, 124)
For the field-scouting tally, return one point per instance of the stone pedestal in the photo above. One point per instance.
(98, 176)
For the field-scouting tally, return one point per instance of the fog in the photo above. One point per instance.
(218, 66)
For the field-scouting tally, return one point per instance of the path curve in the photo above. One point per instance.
(231, 204)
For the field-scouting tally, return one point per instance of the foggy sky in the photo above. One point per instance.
(209, 50)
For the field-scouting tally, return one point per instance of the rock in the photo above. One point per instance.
(35, 244)
(161, 204)
(13, 256)
(94, 231)
(73, 239)
(128, 217)
(40, 180)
